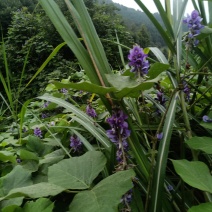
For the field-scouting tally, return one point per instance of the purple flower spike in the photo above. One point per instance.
(138, 60)
(75, 143)
(186, 90)
(193, 22)
(90, 111)
(206, 119)
(37, 132)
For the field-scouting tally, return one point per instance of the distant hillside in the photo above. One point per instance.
(134, 19)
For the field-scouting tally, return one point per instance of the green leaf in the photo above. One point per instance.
(14, 201)
(17, 178)
(27, 155)
(6, 156)
(36, 145)
(106, 195)
(77, 172)
(156, 69)
(200, 143)
(204, 207)
(35, 191)
(53, 157)
(207, 125)
(194, 173)
(126, 86)
(42, 204)
(85, 86)
(12, 208)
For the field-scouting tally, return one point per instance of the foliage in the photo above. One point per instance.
(147, 148)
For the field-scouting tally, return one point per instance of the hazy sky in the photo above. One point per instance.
(149, 4)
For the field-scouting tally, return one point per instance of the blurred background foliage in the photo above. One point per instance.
(27, 30)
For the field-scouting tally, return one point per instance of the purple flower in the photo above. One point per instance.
(119, 133)
(138, 60)
(160, 136)
(90, 111)
(46, 104)
(18, 160)
(43, 116)
(206, 119)
(119, 127)
(37, 132)
(186, 90)
(127, 198)
(193, 22)
(170, 188)
(75, 143)
(160, 98)
(64, 91)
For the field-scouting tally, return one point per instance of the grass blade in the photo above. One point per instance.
(159, 175)
(54, 52)
(158, 26)
(69, 36)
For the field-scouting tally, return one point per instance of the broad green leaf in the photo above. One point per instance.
(159, 174)
(53, 157)
(6, 156)
(17, 178)
(201, 143)
(85, 86)
(9, 202)
(40, 205)
(126, 86)
(106, 195)
(36, 145)
(77, 172)
(204, 207)
(12, 208)
(35, 191)
(207, 125)
(156, 69)
(27, 155)
(194, 173)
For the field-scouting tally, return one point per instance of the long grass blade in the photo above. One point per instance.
(54, 52)
(159, 174)
(69, 36)
(82, 118)
(158, 26)
(164, 17)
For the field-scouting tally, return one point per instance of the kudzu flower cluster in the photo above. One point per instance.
(186, 90)
(119, 133)
(90, 111)
(193, 22)
(38, 132)
(75, 143)
(138, 61)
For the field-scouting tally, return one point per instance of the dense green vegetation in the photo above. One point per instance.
(99, 114)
